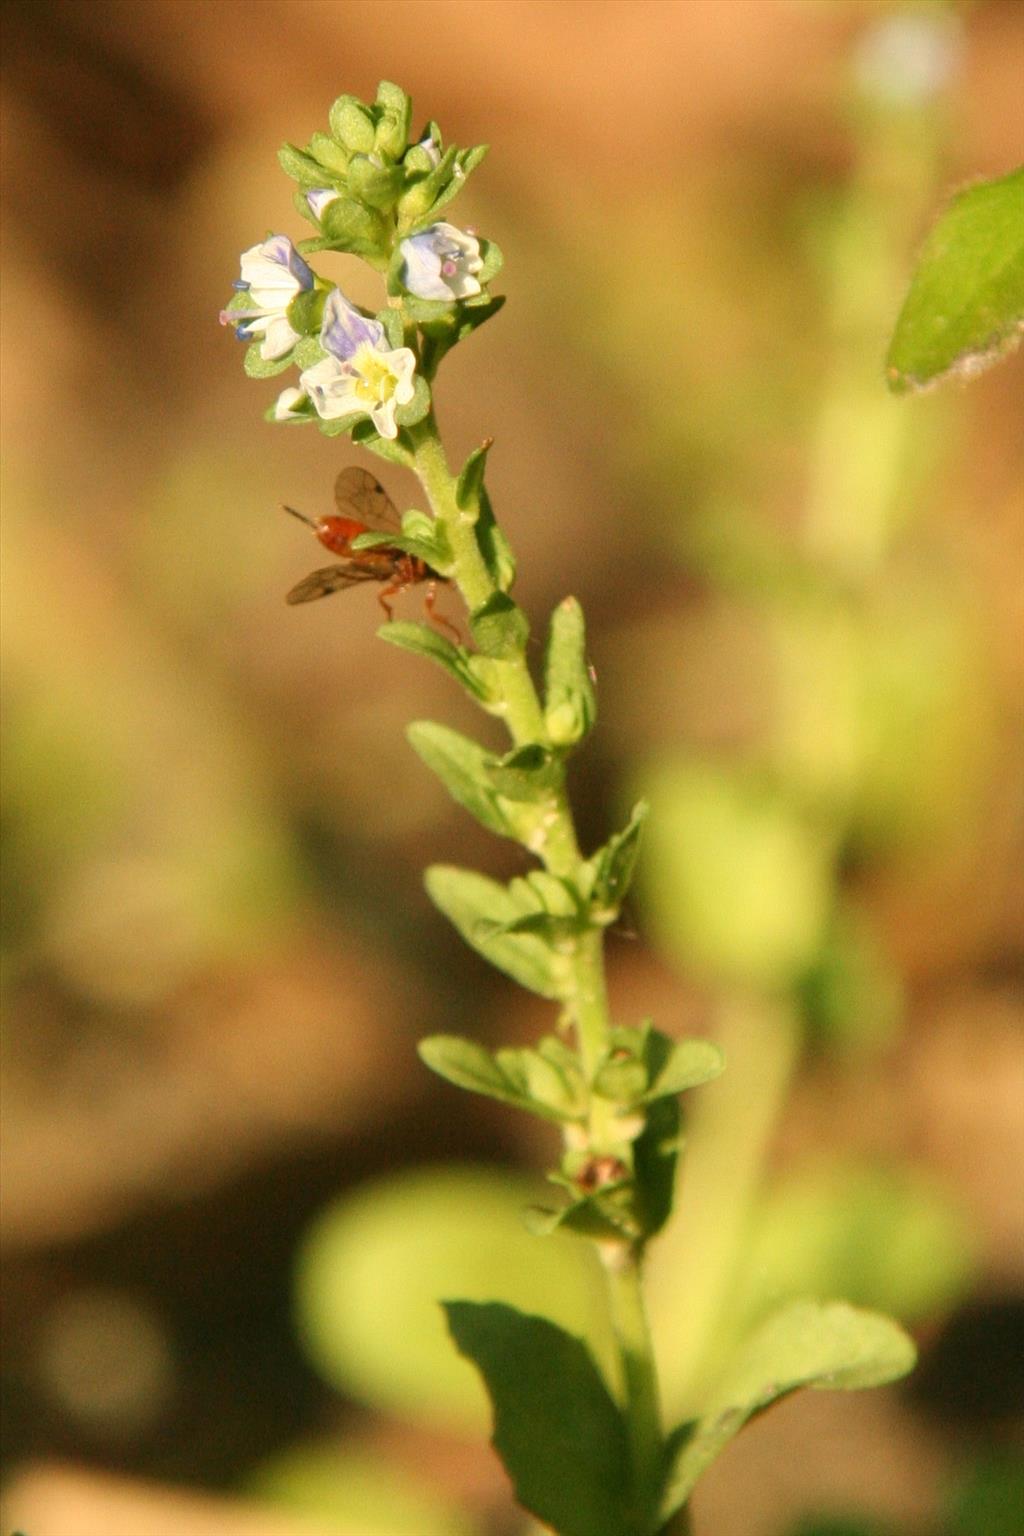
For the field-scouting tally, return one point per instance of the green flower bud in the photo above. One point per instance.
(352, 125)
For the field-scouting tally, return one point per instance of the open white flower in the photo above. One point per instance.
(273, 274)
(441, 263)
(361, 373)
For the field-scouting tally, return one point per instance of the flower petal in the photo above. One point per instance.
(320, 198)
(441, 262)
(344, 329)
(278, 337)
(275, 272)
(289, 403)
(332, 388)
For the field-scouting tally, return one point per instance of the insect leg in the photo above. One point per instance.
(391, 590)
(438, 619)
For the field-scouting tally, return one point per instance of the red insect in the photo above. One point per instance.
(364, 506)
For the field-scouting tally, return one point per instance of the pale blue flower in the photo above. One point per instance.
(361, 373)
(441, 263)
(273, 274)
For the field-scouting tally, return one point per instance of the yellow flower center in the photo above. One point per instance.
(375, 382)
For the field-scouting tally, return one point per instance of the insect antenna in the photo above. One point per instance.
(309, 521)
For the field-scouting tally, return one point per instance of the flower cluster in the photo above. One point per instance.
(370, 192)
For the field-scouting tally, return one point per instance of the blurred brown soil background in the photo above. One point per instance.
(218, 955)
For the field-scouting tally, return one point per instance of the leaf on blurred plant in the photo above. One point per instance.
(614, 864)
(556, 1427)
(500, 628)
(881, 1237)
(990, 1499)
(826, 1345)
(375, 1264)
(685, 1064)
(425, 641)
(570, 704)
(485, 914)
(965, 307)
(526, 1079)
(654, 1165)
(357, 1489)
(463, 768)
(737, 880)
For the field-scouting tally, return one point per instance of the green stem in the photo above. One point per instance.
(586, 999)
(730, 1130)
(623, 1268)
(471, 573)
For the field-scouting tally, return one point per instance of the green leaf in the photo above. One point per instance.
(301, 167)
(543, 1082)
(379, 187)
(528, 774)
(466, 161)
(352, 125)
(415, 208)
(493, 261)
(472, 313)
(394, 449)
(374, 1264)
(351, 226)
(556, 1427)
(494, 547)
(306, 312)
(523, 1078)
(434, 316)
(684, 1064)
(327, 152)
(425, 641)
(479, 907)
(258, 367)
(588, 1217)
(614, 864)
(308, 352)
(826, 1345)
(351, 1487)
(622, 1079)
(418, 407)
(463, 768)
(655, 1153)
(570, 705)
(471, 477)
(469, 1065)
(739, 881)
(469, 159)
(395, 109)
(879, 1236)
(500, 627)
(965, 307)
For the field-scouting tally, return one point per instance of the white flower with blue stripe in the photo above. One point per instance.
(273, 274)
(441, 262)
(361, 374)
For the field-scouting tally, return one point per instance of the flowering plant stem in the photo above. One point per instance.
(586, 1459)
(586, 1002)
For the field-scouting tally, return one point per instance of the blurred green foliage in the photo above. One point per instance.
(376, 1265)
(350, 1488)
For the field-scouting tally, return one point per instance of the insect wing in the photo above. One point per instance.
(357, 494)
(330, 578)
